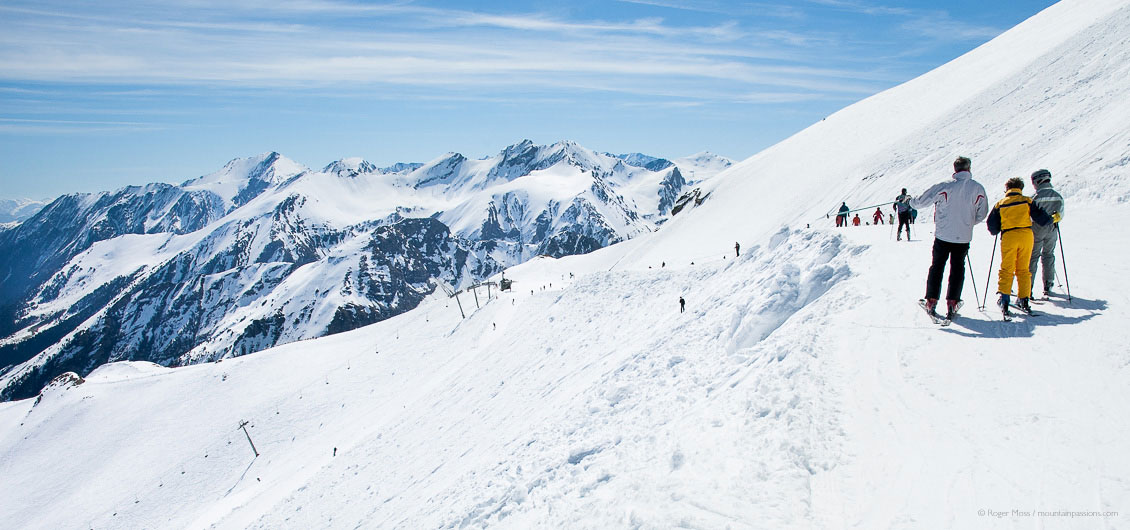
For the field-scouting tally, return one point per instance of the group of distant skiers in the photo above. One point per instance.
(1028, 228)
(843, 219)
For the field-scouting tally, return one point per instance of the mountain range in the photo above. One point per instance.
(266, 251)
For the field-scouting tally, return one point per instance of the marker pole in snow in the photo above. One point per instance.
(243, 425)
(1063, 258)
(460, 304)
(969, 266)
(992, 257)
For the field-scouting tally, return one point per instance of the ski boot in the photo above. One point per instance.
(1002, 303)
(952, 306)
(930, 305)
(1022, 304)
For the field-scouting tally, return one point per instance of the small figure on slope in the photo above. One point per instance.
(682, 304)
(877, 216)
(855, 221)
(902, 206)
(842, 217)
(1012, 218)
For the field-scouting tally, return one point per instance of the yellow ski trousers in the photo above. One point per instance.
(1016, 251)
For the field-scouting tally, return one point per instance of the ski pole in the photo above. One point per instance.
(969, 266)
(992, 257)
(1063, 258)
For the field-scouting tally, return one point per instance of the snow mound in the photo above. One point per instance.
(125, 370)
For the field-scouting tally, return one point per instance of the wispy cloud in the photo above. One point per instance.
(527, 50)
(941, 26)
(305, 44)
(772, 10)
(40, 126)
(866, 8)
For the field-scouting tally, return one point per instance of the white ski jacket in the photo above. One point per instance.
(959, 203)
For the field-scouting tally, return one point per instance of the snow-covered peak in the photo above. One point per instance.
(703, 165)
(242, 179)
(350, 167)
(401, 168)
(456, 173)
(641, 160)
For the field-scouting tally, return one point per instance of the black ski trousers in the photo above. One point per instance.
(955, 254)
(904, 220)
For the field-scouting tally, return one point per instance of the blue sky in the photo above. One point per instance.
(99, 95)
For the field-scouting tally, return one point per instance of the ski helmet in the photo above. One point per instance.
(962, 164)
(1041, 176)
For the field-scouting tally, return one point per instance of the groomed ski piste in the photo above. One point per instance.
(802, 387)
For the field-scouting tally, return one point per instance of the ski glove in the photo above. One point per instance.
(1056, 217)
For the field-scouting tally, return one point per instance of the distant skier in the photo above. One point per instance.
(855, 221)
(737, 249)
(842, 217)
(959, 203)
(1045, 237)
(1012, 218)
(878, 216)
(902, 206)
(682, 304)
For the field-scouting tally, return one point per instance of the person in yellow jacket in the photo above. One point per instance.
(1012, 218)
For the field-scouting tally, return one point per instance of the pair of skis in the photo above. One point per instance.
(934, 316)
(943, 321)
(1007, 317)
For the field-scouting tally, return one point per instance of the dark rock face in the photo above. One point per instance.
(669, 190)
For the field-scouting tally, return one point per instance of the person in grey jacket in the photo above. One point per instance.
(902, 205)
(1043, 248)
(959, 203)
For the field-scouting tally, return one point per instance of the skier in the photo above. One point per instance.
(902, 206)
(959, 203)
(1012, 218)
(737, 249)
(842, 217)
(1045, 237)
(878, 216)
(855, 221)
(682, 304)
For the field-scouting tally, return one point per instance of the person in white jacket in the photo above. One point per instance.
(959, 204)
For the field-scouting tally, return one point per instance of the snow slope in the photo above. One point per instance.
(803, 388)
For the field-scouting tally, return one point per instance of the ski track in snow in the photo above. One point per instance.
(621, 411)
